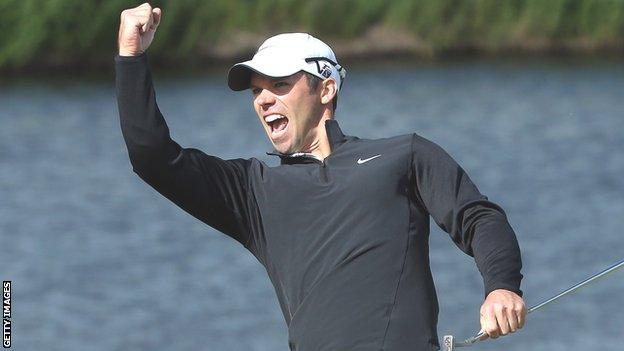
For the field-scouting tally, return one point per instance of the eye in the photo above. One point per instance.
(255, 91)
(280, 84)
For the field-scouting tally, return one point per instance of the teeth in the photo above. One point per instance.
(273, 118)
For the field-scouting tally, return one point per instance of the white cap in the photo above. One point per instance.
(286, 54)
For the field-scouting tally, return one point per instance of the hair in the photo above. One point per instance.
(313, 84)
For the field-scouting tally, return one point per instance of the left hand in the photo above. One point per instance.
(503, 312)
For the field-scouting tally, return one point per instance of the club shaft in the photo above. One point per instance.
(577, 286)
(594, 277)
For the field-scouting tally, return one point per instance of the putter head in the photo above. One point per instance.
(447, 343)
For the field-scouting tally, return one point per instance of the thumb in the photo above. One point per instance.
(156, 15)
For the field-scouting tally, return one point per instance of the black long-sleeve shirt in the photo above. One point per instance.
(344, 240)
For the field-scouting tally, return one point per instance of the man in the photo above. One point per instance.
(342, 224)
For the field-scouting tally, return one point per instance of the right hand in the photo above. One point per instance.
(137, 28)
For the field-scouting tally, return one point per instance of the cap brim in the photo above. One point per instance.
(239, 76)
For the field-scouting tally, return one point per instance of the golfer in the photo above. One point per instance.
(342, 223)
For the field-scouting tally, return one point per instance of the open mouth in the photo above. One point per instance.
(277, 124)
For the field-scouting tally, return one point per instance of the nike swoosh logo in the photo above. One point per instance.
(360, 161)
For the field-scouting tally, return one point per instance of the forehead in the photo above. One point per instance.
(257, 79)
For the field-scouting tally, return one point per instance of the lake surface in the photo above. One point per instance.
(100, 261)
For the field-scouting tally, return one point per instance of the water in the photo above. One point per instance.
(100, 261)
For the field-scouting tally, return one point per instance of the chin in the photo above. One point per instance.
(284, 147)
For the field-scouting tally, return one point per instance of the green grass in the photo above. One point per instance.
(36, 33)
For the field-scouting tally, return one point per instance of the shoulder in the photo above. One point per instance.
(424, 146)
(428, 152)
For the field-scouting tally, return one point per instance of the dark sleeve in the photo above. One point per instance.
(478, 226)
(209, 188)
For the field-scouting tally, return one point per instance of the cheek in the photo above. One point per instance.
(258, 110)
(303, 105)
(309, 113)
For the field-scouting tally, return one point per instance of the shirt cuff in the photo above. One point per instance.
(137, 58)
(496, 286)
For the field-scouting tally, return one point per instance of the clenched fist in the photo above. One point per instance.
(503, 312)
(137, 28)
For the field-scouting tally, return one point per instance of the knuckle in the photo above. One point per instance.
(129, 14)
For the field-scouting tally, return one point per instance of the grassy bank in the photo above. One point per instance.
(73, 33)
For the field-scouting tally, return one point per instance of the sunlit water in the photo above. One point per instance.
(100, 261)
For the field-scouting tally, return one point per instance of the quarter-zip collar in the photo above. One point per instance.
(335, 136)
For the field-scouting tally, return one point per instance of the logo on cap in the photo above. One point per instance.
(325, 71)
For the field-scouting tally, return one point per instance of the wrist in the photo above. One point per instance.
(126, 52)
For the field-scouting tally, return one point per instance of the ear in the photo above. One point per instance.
(329, 89)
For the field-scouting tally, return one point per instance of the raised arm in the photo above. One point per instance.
(478, 227)
(211, 189)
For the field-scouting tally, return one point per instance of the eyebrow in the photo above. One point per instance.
(272, 80)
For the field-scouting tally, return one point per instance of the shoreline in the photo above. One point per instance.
(379, 43)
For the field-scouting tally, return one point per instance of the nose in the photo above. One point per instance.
(265, 99)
